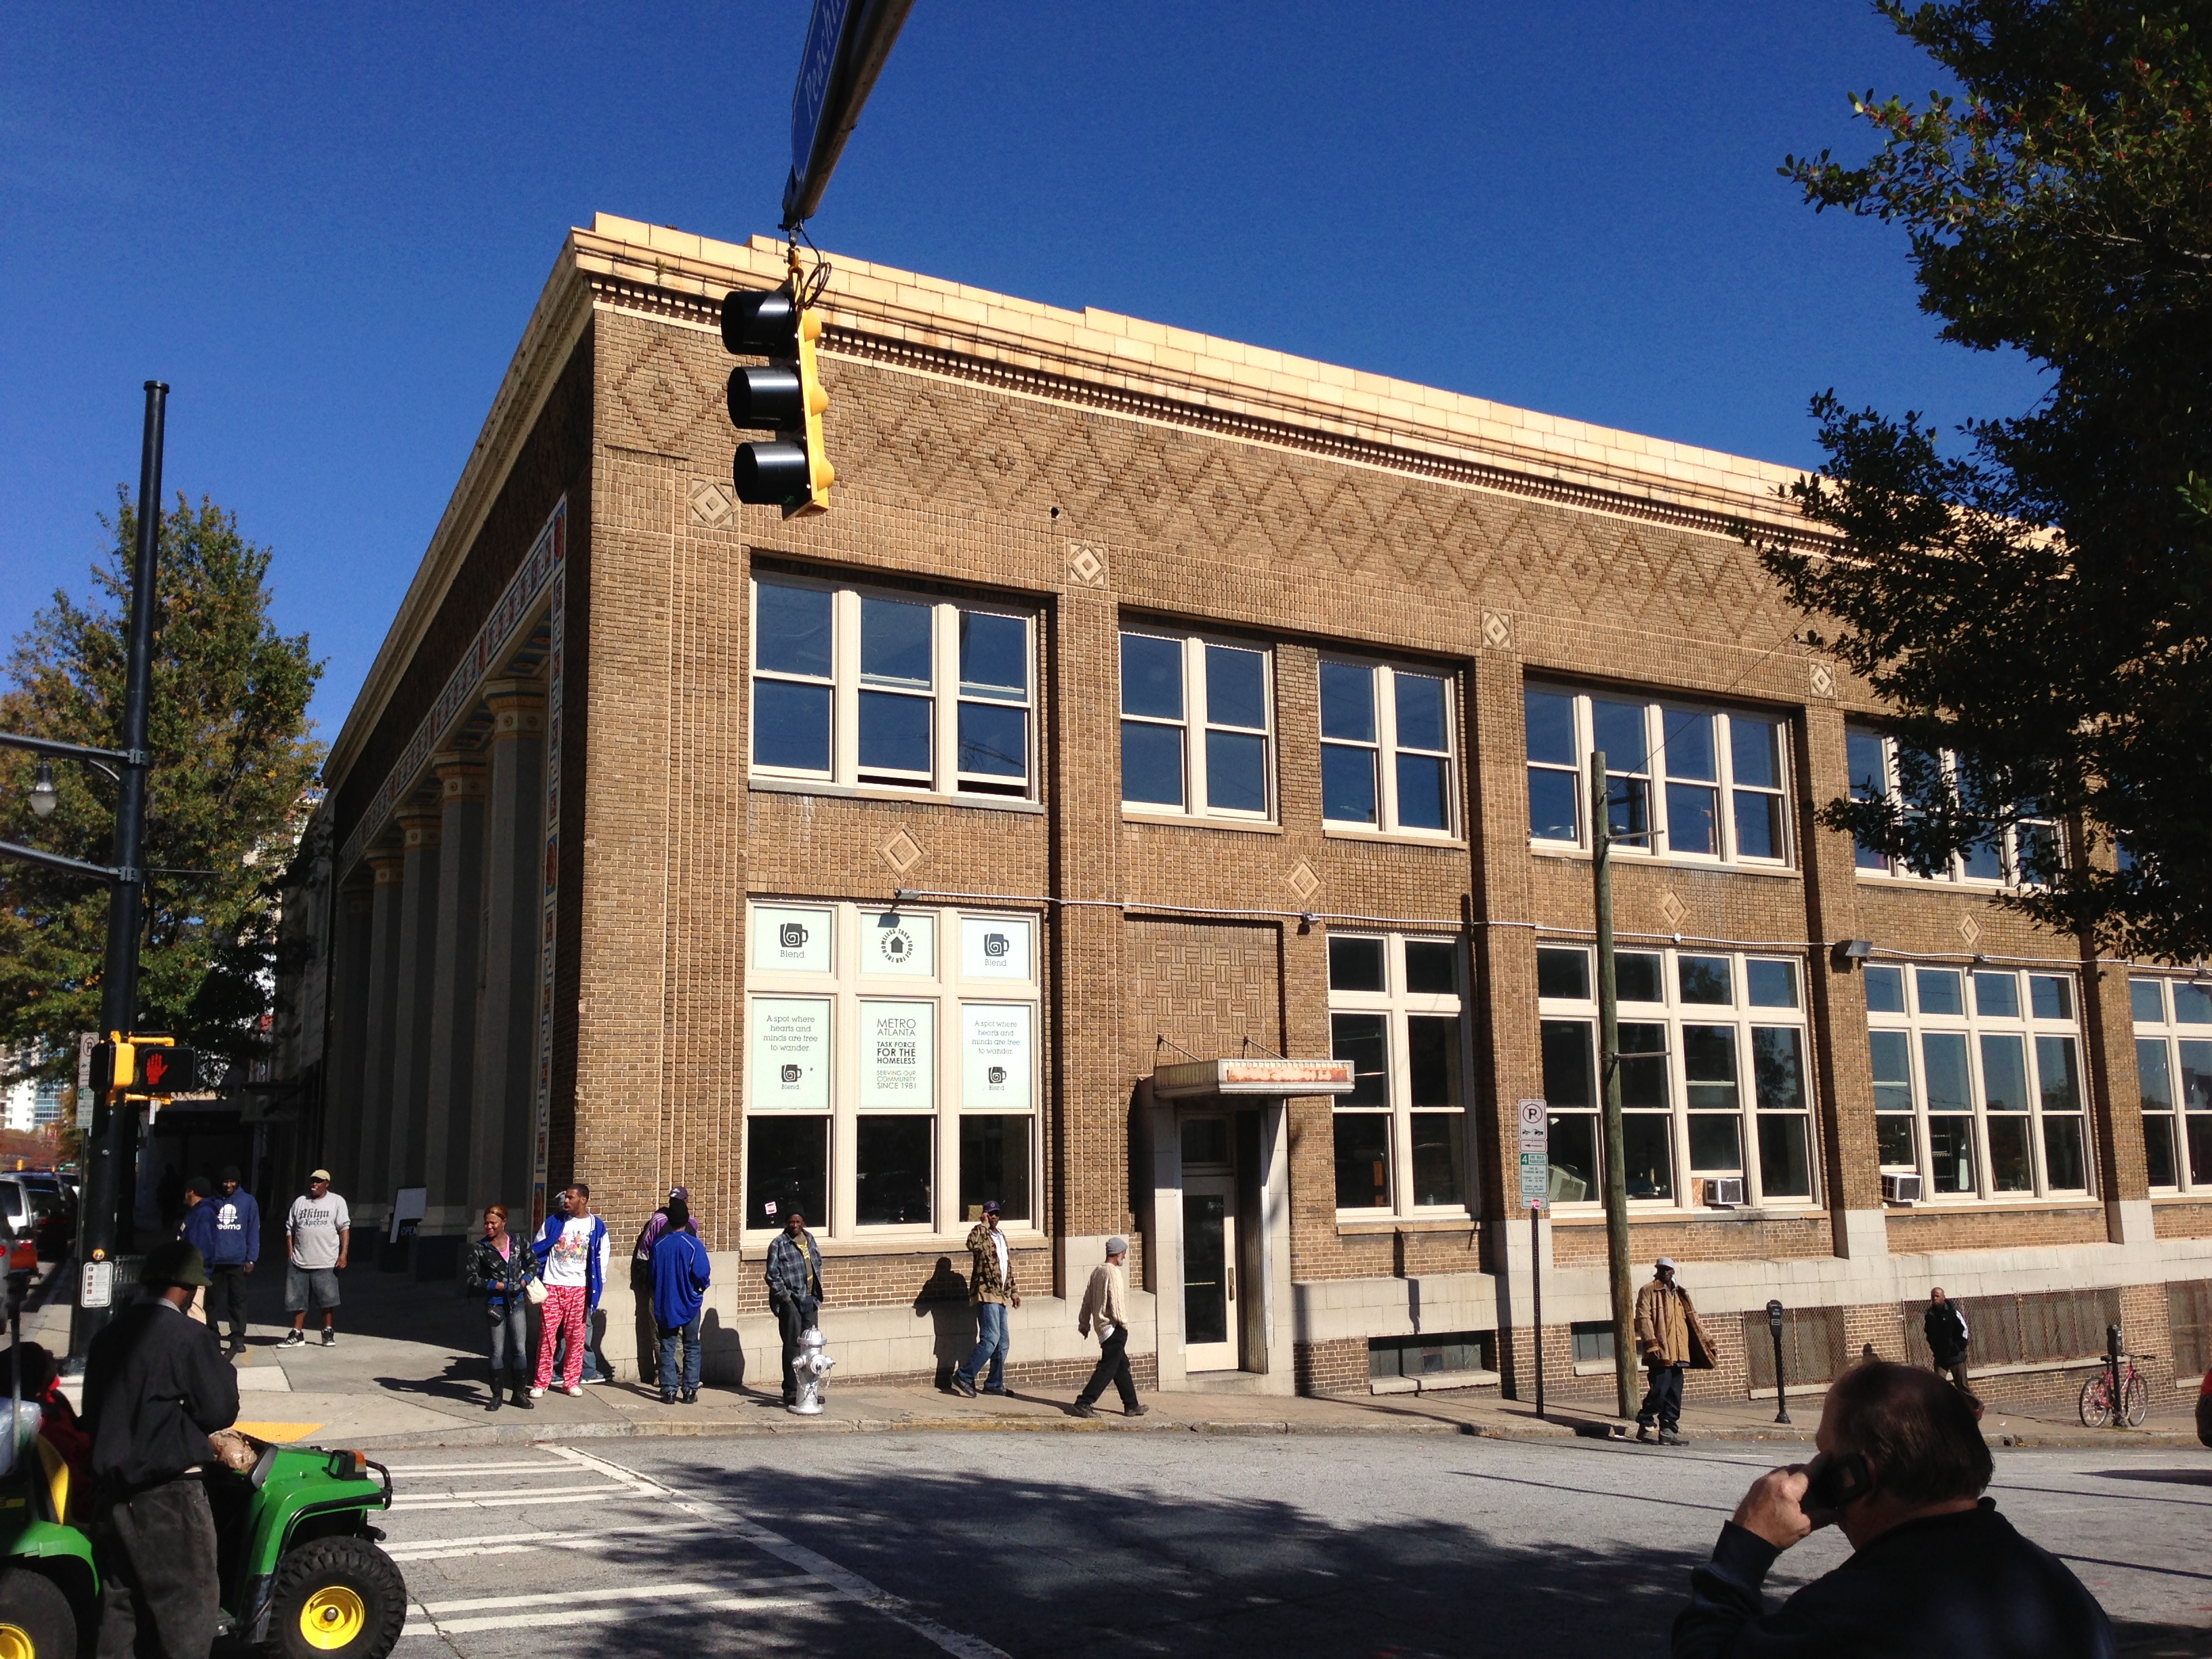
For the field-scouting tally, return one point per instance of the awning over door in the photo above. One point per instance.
(1197, 1080)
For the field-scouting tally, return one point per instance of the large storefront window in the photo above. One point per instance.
(1713, 1081)
(2173, 1068)
(892, 1065)
(1978, 1079)
(1395, 1012)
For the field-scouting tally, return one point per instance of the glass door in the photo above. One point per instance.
(1209, 1272)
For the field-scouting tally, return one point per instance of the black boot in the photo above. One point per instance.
(522, 1394)
(493, 1404)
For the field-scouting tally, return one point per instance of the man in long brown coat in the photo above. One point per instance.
(1666, 1330)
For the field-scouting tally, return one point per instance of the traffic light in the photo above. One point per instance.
(793, 471)
(144, 1068)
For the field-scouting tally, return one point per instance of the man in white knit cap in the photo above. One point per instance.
(1106, 1309)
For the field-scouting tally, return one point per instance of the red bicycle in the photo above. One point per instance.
(2114, 1396)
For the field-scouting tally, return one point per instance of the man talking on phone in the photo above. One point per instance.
(1934, 1569)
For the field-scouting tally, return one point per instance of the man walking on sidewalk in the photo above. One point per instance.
(681, 1273)
(1668, 1340)
(794, 1290)
(1944, 1324)
(155, 1387)
(235, 1246)
(317, 1240)
(573, 1248)
(1105, 1309)
(991, 1290)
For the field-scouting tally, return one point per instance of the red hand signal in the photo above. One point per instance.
(156, 1068)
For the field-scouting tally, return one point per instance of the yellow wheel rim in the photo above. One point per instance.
(333, 1617)
(16, 1643)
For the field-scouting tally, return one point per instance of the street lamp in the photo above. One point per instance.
(43, 797)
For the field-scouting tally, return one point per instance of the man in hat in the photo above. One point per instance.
(1105, 1309)
(641, 1281)
(794, 1289)
(1666, 1335)
(156, 1385)
(318, 1238)
(991, 1291)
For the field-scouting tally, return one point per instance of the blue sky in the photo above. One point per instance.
(325, 227)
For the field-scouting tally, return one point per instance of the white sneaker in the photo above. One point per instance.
(537, 1393)
(573, 1390)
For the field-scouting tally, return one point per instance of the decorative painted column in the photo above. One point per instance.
(371, 1160)
(345, 1050)
(501, 1157)
(450, 1097)
(421, 827)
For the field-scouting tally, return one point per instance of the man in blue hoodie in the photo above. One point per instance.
(236, 1246)
(680, 1276)
(571, 1249)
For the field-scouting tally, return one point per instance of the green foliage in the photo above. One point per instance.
(228, 793)
(2042, 602)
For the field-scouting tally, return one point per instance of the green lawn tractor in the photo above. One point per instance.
(302, 1574)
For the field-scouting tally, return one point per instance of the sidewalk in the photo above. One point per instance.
(409, 1371)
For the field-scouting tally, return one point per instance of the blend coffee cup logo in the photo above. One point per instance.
(994, 944)
(997, 1075)
(792, 935)
(791, 1073)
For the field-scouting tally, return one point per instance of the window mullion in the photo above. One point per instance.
(845, 697)
(1194, 714)
(1386, 748)
(1724, 786)
(944, 698)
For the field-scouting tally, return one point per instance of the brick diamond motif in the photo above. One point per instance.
(1086, 562)
(1304, 882)
(1822, 679)
(711, 504)
(901, 851)
(1970, 930)
(1672, 908)
(1496, 630)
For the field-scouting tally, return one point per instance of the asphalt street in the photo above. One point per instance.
(1034, 1545)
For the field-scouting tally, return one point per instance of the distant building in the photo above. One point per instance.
(1153, 798)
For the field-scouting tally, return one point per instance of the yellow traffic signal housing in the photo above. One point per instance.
(792, 471)
(820, 474)
(144, 1067)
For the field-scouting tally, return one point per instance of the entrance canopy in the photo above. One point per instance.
(1197, 1080)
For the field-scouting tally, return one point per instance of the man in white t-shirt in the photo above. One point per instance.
(317, 1240)
(573, 1246)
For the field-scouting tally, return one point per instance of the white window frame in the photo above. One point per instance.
(945, 692)
(1877, 867)
(1195, 726)
(847, 984)
(1655, 776)
(1674, 1014)
(1382, 679)
(1396, 1004)
(2170, 1030)
(1973, 1025)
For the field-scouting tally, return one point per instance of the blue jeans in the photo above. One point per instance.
(670, 1336)
(991, 1326)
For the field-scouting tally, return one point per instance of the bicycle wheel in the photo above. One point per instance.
(2096, 1403)
(2135, 1401)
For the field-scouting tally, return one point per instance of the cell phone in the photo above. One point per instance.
(1832, 1484)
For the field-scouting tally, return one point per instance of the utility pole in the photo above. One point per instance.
(1609, 1056)
(109, 1184)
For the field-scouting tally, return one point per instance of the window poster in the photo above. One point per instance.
(790, 1070)
(996, 1062)
(898, 1056)
(789, 940)
(898, 941)
(995, 947)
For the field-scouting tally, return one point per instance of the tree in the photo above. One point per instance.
(229, 789)
(2040, 602)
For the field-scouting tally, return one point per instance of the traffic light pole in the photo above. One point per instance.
(108, 1186)
(1608, 1060)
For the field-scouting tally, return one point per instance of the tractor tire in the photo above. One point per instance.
(36, 1619)
(337, 1598)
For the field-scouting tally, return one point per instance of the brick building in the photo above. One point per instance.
(1159, 725)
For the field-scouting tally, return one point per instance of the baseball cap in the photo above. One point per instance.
(990, 1206)
(318, 1175)
(1664, 1261)
(679, 1194)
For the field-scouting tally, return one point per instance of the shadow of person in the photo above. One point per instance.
(723, 1351)
(463, 1379)
(943, 1300)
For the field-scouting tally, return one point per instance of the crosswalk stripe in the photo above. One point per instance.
(511, 1500)
(796, 1601)
(513, 1543)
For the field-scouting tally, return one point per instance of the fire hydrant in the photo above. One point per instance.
(810, 1369)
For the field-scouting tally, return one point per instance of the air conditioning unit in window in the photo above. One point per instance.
(1723, 1192)
(1900, 1190)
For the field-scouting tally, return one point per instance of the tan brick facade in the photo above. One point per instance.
(1093, 473)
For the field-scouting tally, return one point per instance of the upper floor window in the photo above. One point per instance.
(1197, 726)
(1977, 1086)
(1713, 1053)
(1884, 769)
(2173, 1070)
(1395, 1007)
(1682, 781)
(1386, 747)
(890, 690)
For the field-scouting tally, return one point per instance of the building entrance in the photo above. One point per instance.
(1212, 1332)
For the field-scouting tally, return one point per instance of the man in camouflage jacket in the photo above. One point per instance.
(991, 1290)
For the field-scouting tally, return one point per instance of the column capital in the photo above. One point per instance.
(460, 775)
(387, 863)
(359, 901)
(517, 708)
(421, 824)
